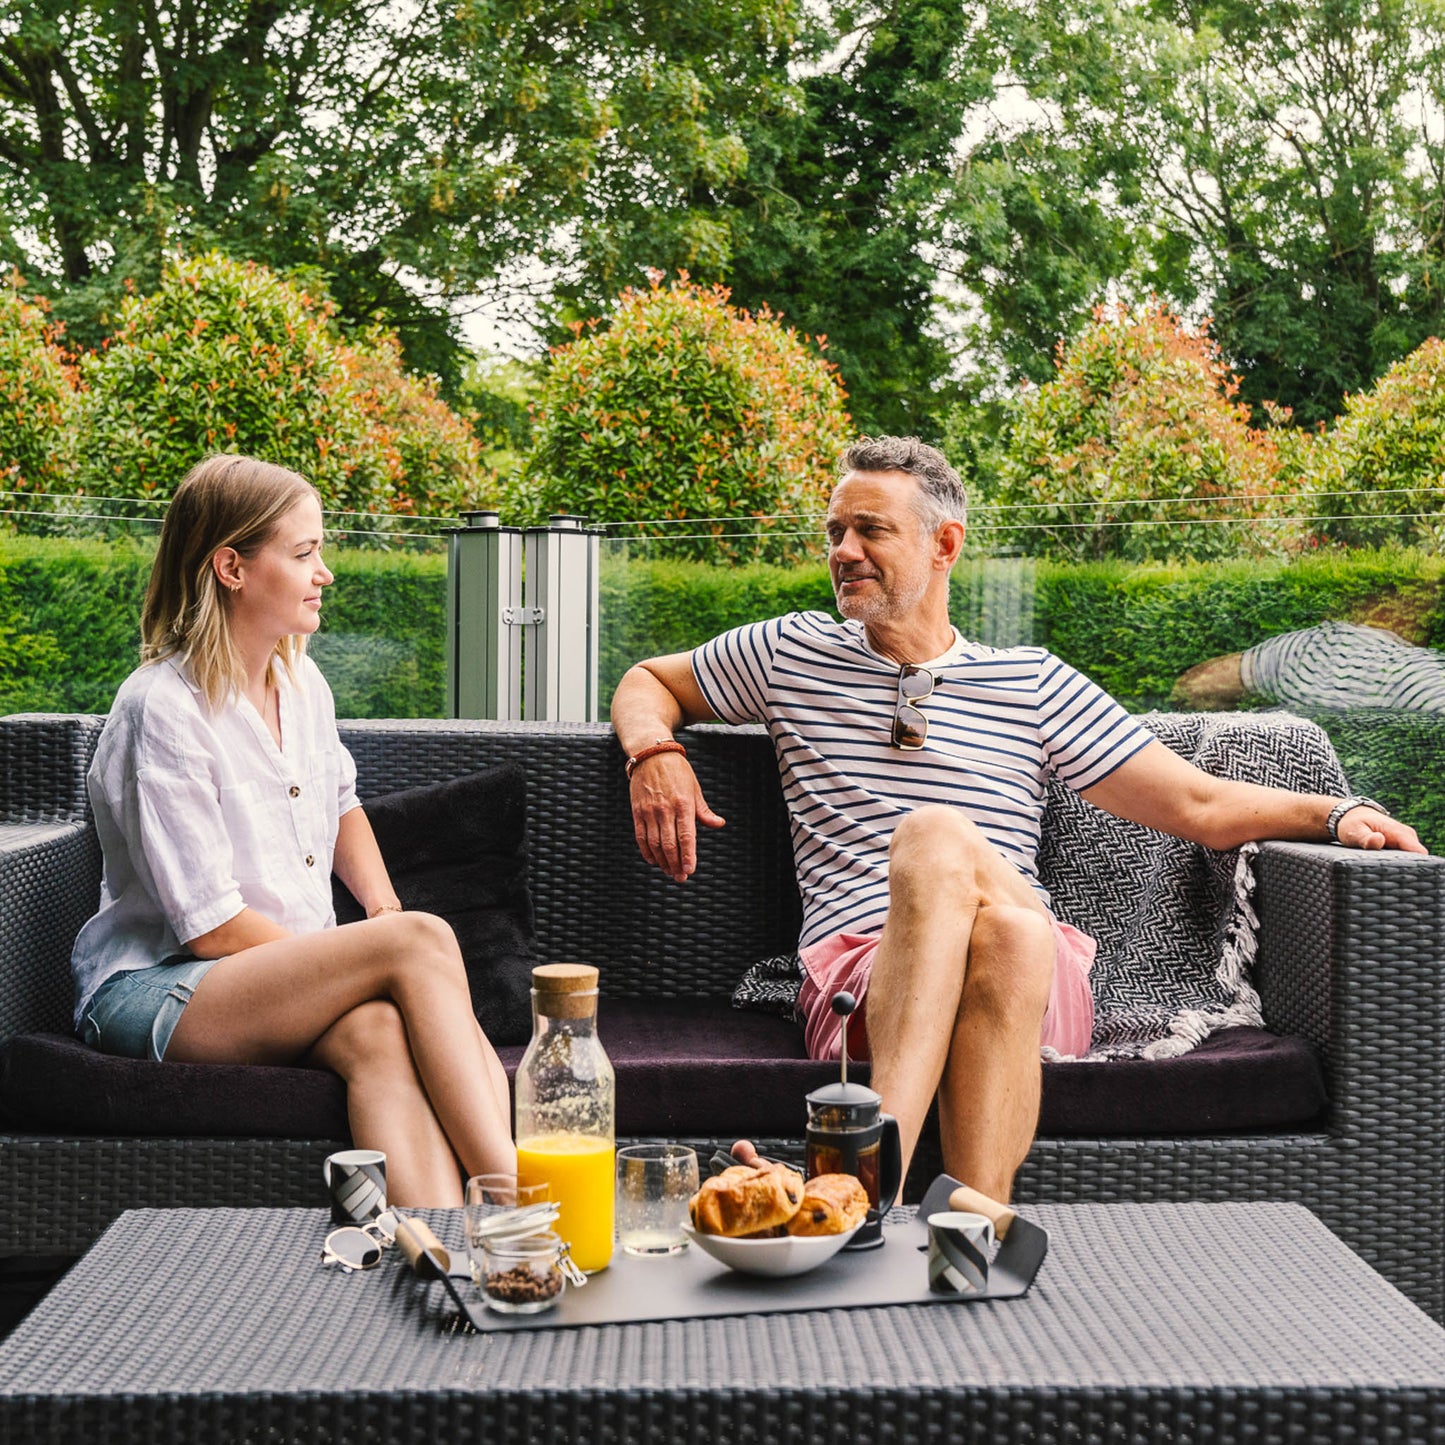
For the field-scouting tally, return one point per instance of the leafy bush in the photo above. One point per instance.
(37, 397)
(1137, 435)
(431, 457)
(1378, 473)
(228, 356)
(682, 406)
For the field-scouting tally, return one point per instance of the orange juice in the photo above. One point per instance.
(578, 1171)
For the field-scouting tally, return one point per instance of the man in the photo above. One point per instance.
(913, 765)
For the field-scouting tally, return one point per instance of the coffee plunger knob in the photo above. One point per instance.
(843, 1004)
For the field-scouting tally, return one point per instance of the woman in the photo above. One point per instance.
(224, 799)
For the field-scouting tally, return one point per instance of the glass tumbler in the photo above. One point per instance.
(654, 1184)
(489, 1194)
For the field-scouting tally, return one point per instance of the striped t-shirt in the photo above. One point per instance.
(999, 721)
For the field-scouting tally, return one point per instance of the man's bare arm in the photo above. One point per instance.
(652, 701)
(1160, 789)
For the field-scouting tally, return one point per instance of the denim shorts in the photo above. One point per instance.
(134, 1013)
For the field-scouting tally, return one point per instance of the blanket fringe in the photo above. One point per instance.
(1191, 1027)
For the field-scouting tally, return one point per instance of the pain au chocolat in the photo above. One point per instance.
(745, 1200)
(832, 1203)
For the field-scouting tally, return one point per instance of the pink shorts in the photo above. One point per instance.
(845, 961)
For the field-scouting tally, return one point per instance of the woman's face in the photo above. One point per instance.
(280, 591)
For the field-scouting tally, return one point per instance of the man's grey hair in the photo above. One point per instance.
(941, 497)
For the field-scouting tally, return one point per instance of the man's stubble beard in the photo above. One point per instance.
(888, 604)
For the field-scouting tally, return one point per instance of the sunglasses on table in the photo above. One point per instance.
(910, 727)
(359, 1246)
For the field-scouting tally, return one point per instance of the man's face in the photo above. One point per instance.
(879, 555)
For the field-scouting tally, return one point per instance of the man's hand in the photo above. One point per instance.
(745, 1152)
(667, 806)
(1364, 827)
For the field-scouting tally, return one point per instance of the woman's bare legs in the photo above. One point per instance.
(275, 1003)
(388, 1105)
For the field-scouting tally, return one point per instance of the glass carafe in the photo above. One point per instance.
(565, 1092)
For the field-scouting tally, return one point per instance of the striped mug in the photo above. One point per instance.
(356, 1181)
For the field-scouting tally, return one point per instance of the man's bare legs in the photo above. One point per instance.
(957, 997)
(430, 1092)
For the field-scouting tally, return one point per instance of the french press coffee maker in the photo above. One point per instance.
(848, 1133)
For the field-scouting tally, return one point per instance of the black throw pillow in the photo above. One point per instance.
(458, 849)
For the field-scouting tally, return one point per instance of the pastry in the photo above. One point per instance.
(832, 1204)
(746, 1200)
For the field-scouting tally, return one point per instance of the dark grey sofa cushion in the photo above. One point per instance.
(683, 1068)
(458, 849)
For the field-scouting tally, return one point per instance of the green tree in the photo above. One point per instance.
(821, 197)
(1136, 449)
(1274, 165)
(683, 407)
(409, 153)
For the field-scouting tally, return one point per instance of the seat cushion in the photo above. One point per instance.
(706, 1069)
(54, 1084)
(683, 1069)
(457, 849)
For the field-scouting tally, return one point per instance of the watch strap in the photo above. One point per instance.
(1345, 805)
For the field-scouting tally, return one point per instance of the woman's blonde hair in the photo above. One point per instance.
(225, 501)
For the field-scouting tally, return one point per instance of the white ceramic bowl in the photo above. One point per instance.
(791, 1254)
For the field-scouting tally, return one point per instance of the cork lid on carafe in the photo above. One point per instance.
(565, 990)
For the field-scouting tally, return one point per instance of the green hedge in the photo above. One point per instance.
(1132, 629)
(650, 608)
(1135, 629)
(81, 602)
(1398, 759)
(70, 627)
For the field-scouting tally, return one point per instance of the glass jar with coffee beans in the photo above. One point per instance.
(524, 1275)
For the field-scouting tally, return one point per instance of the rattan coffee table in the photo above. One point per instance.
(1178, 1322)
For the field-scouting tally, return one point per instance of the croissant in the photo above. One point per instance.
(832, 1203)
(745, 1200)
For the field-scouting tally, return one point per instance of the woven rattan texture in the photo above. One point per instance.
(49, 886)
(43, 761)
(1349, 956)
(596, 900)
(1182, 1322)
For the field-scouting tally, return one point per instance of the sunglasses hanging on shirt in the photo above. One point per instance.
(910, 727)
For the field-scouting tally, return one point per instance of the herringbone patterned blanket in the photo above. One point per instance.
(1173, 920)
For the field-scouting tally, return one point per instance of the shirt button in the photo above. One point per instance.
(294, 791)
(310, 860)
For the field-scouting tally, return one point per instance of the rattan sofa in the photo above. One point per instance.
(1349, 969)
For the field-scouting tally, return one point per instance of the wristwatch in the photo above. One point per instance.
(1355, 800)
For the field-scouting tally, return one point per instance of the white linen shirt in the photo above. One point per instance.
(201, 815)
